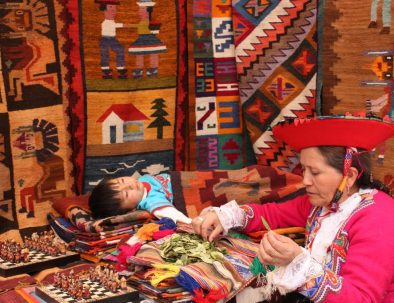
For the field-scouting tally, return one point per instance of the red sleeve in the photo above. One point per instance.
(292, 213)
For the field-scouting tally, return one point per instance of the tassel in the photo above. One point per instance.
(162, 272)
(147, 230)
(187, 282)
(199, 296)
(162, 233)
(213, 296)
(258, 268)
(167, 223)
(125, 252)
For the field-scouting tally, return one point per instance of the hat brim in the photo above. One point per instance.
(363, 133)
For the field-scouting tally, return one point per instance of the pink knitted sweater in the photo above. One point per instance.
(361, 257)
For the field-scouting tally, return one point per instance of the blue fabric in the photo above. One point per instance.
(166, 223)
(187, 282)
(160, 193)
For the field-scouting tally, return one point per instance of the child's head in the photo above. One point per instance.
(115, 196)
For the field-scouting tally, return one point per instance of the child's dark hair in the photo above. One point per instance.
(104, 200)
(103, 7)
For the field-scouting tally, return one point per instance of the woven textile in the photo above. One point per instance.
(133, 59)
(358, 72)
(214, 90)
(35, 133)
(276, 55)
(193, 191)
(235, 269)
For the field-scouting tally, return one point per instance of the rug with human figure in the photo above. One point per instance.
(358, 72)
(89, 89)
(36, 150)
(134, 86)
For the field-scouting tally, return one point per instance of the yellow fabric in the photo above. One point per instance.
(164, 271)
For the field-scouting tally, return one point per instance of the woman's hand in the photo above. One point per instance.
(208, 225)
(277, 250)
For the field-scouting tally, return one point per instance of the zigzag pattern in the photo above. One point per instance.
(267, 32)
(277, 156)
(267, 150)
(252, 76)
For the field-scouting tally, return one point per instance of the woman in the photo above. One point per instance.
(147, 43)
(349, 249)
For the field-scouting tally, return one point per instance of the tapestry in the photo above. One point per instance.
(216, 123)
(35, 139)
(357, 65)
(133, 58)
(276, 59)
(196, 190)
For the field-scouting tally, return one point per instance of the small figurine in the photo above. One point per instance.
(56, 279)
(86, 292)
(123, 283)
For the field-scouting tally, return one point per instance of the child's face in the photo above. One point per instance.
(130, 190)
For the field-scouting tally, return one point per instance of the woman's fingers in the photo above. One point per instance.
(277, 249)
(263, 256)
(269, 244)
(277, 242)
(215, 233)
(207, 225)
(197, 224)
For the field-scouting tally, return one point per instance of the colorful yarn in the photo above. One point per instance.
(125, 252)
(211, 297)
(258, 268)
(162, 233)
(146, 231)
(237, 235)
(162, 272)
(166, 223)
(187, 282)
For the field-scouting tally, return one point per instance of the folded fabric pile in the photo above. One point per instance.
(95, 236)
(181, 266)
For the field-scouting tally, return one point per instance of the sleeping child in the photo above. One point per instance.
(120, 195)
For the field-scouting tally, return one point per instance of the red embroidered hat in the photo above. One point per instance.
(351, 131)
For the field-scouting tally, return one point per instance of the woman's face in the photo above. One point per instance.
(130, 190)
(321, 180)
(143, 12)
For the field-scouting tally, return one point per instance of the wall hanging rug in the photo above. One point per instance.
(196, 190)
(276, 57)
(357, 64)
(133, 55)
(36, 150)
(214, 90)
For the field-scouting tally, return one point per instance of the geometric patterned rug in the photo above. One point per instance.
(357, 65)
(219, 141)
(276, 55)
